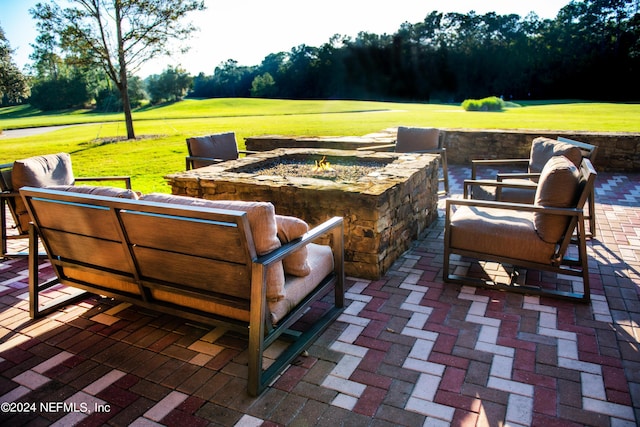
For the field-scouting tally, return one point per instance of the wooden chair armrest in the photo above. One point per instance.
(531, 176)
(191, 159)
(430, 151)
(468, 183)
(9, 194)
(205, 159)
(377, 147)
(125, 179)
(511, 206)
(495, 162)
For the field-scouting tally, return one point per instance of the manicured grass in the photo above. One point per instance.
(163, 130)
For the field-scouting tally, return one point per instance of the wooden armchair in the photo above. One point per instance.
(419, 140)
(39, 171)
(534, 236)
(212, 149)
(522, 185)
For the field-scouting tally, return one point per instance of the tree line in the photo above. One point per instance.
(591, 50)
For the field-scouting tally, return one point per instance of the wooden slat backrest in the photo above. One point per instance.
(81, 232)
(208, 254)
(176, 246)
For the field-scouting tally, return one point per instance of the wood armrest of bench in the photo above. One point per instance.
(378, 147)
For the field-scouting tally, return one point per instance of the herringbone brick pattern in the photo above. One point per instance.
(409, 350)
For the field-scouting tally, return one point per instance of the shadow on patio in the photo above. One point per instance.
(409, 350)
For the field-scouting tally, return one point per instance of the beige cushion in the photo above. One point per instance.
(122, 193)
(262, 221)
(320, 261)
(558, 188)
(542, 149)
(289, 229)
(499, 232)
(217, 146)
(416, 139)
(39, 171)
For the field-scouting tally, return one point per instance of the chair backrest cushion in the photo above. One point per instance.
(264, 230)
(217, 146)
(289, 229)
(558, 187)
(39, 171)
(543, 149)
(43, 171)
(412, 139)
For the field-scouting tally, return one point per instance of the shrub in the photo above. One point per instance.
(492, 103)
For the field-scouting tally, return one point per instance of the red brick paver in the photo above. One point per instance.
(408, 350)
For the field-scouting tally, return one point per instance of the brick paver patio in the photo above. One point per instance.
(409, 350)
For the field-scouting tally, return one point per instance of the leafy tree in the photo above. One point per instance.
(13, 84)
(231, 79)
(60, 93)
(171, 85)
(118, 35)
(203, 86)
(263, 86)
(57, 82)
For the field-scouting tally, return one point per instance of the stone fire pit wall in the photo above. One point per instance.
(383, 212)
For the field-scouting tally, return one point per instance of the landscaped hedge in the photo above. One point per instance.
(492, 103)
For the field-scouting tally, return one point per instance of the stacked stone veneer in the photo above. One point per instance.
(617, 151)
(383, 212)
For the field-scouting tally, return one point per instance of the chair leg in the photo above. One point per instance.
(445, 172)
(592, 215)
(3, 223)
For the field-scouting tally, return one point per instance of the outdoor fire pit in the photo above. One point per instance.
(386, 199)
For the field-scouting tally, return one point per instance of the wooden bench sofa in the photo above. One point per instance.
(234, 264)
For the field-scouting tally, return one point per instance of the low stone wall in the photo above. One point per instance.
(616, 151)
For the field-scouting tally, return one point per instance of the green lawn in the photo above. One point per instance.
(162, 130)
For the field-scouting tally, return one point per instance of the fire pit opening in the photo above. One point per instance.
(333, 168)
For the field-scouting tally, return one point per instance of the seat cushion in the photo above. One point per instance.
(320, 259)
(39, 171)
(217, 146)
(557, 188)
(289, 229)
(543, 149)
(264, 230)
(498, 232)
(412, 139)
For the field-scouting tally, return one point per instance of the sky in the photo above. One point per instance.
(248, 30)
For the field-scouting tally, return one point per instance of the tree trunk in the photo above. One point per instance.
(126, 107)
(124, 83)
